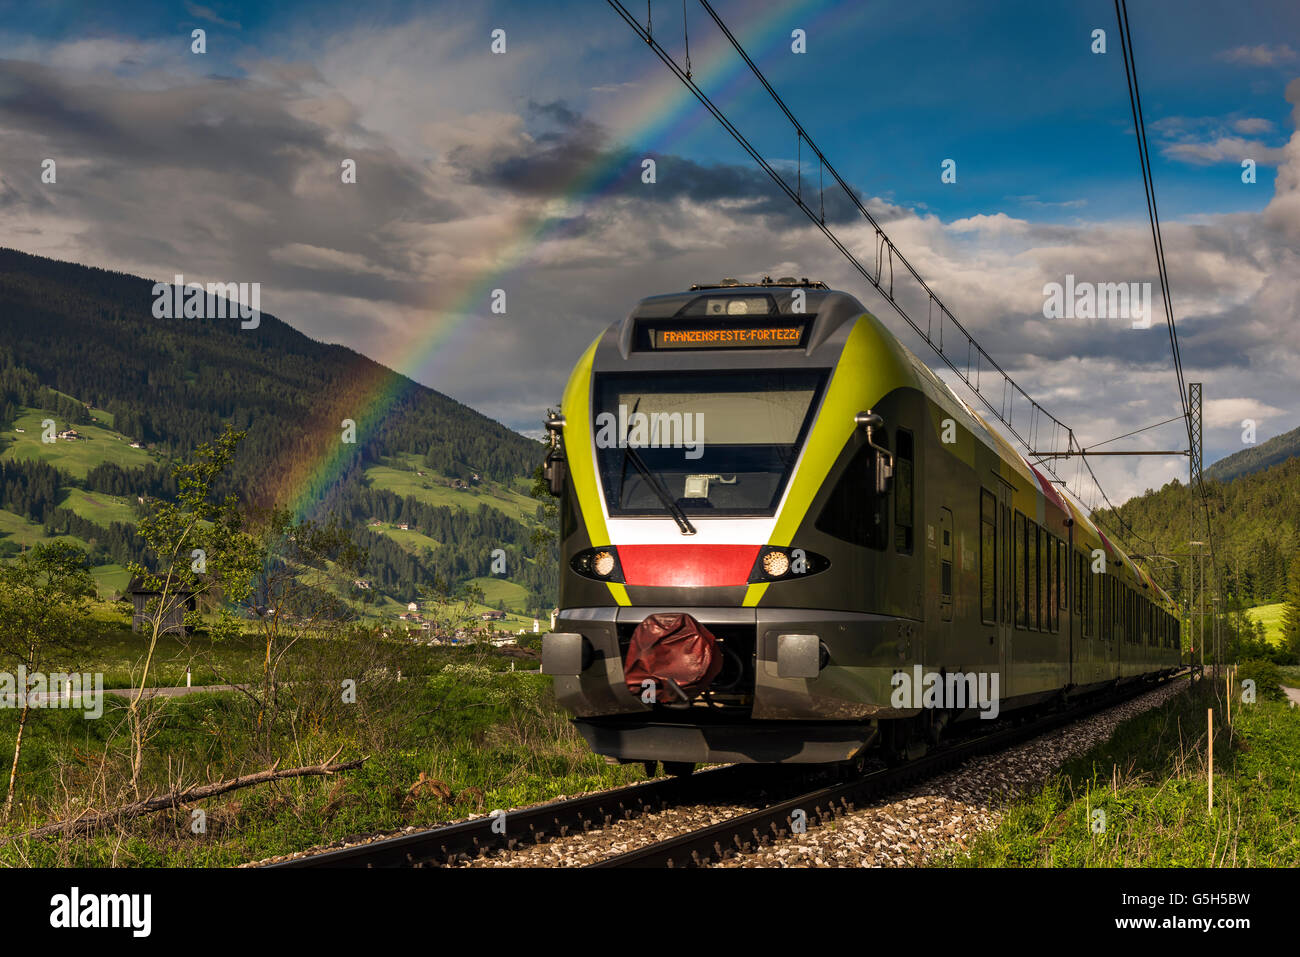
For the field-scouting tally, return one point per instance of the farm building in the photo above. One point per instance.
(179, 602)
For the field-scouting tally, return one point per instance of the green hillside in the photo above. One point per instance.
(22, 439)
(1257, 457)
(98, 507)
(405, 475)
(1270, 616)
(1257, 529)
(80, 346)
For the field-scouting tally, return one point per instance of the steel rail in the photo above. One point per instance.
(747, 832)
(456, 843)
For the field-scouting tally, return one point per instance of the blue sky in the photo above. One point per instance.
(220, 166)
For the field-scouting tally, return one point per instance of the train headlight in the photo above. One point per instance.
(602, 563)
(786, 564)
(598, 564)
(776, 564)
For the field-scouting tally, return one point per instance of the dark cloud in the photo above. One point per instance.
(212, 173)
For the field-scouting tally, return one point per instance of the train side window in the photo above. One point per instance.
(1048, 592)
(903, 493)
(1005, 563)
(1080, 590)
(1107, 608)
(1040, 593)
(1020, 574)
(988, 558)
(1094, 603)
(1062, 599)
(854, 512)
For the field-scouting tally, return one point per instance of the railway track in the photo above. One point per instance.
(457, 843)
(776, 820)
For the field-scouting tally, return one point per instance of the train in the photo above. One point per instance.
(865, 562)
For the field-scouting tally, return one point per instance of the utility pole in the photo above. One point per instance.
(1195, 432)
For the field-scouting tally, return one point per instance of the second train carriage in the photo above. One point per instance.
(843, 518)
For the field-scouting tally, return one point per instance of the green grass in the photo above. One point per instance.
(399, 474)
(106, 419)
(110, 579)
(98, 507)
(99, 445)
(26, 533)
(108, 646)
(1271, 616)
(411, 540)
(499, 589)
(457, 736)
(1150, 782)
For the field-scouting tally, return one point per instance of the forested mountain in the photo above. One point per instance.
(1256, 522)
(1257, 457)
(74, 337)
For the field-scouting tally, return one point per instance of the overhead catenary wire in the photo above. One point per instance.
(885, 253)
(1153, 214)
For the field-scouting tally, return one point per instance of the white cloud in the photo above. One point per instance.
(1224, 149)
(1261, 55)
(1229, 413)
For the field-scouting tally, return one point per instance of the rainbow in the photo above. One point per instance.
(664, 114)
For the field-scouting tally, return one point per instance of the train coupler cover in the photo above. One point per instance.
(674, 655)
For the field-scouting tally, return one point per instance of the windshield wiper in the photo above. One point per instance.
(630, 454)
(684, 523)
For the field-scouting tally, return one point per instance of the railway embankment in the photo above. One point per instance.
(1155, 794)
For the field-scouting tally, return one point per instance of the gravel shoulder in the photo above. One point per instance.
(912, 827)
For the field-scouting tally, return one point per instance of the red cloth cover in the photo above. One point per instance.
(672, 646)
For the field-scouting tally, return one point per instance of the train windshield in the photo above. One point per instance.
(713, 443)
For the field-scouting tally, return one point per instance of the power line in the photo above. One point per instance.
(1153, 214)
(886, 254)
(1136, 431)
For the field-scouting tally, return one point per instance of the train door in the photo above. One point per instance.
(945, 564)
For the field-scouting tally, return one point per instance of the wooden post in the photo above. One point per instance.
(1210, 756)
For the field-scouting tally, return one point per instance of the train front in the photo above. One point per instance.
(691, 454)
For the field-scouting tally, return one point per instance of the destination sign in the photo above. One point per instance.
(736, 337)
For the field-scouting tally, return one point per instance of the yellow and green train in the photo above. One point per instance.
(874, 561)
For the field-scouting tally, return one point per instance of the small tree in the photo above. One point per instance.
(198, 545)
(303, 564)
(44, 595)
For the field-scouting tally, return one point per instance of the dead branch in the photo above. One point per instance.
(90, 822)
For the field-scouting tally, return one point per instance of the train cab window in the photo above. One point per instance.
(854, 512)
(718, 443)
(988, 557)
(903, 493)
(1021, 574)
